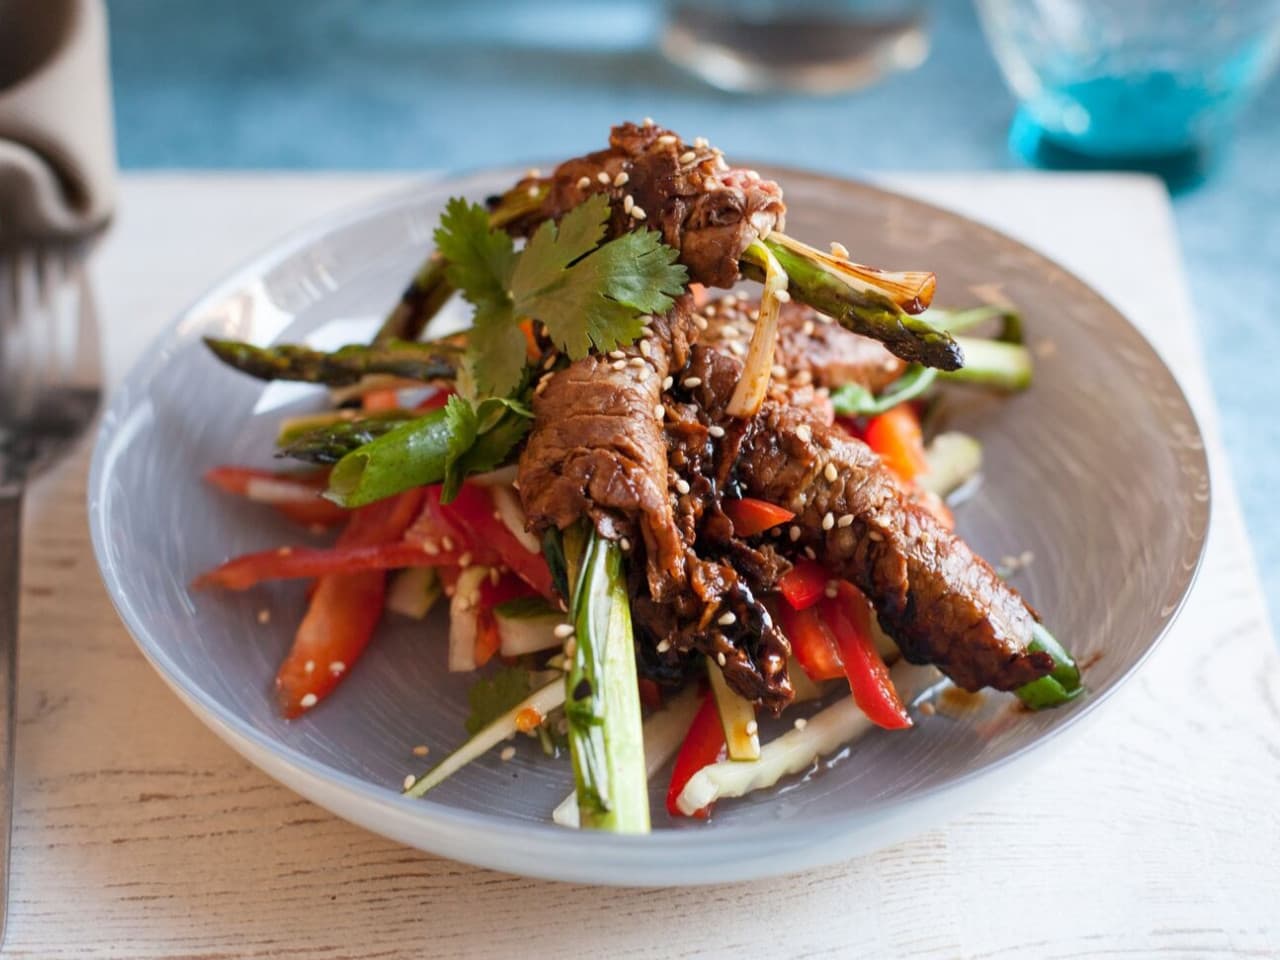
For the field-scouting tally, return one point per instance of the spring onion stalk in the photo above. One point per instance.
(664, 731)
(910, 290)
(543, 701)
(737, 717)
(793, 752)
(991, 363)
(748, 395)
(855, 304)
(954, 458)
(1060, 686)
(430, 289)
(602, 702)
(347, 365)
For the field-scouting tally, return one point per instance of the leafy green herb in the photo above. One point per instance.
(491, 697)
(853, 399)
(585, 293)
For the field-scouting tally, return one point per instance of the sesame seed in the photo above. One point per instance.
(648, 121)
(540, 388)
(264, 615)
(309, 667)
(337, 668)
(823, 318)
(730, 333)
(753, 175)
(664, 646)
(783, 296)
(737, 348)
(646, 347)
(800, 723)
(808, 328)
(779, 371)
(507, 754)
(721, 162)
(804, 432)
(571, 647)
(421, 750)
(625, 544)
(447, 542)
(721, 658)
(494, 573)
(682, 485)
(638, 213)
(464, 560)
(628, 203)
(845, 521)
(830, 472)
(794, 534)
(828, 520)
(619, 365)
(875, 535)
(532, 193)
(716, 431)
(409, 780)
(549, 362)
(691, 382)
(667, 138)
(667, 382)
(699, 322)
(563, 631)
(700, 142)
(727, 619)
(308, 701)
(839, 250)
(808, 552)
(617, 355)
(603, 177)
(584, 182)
(659, 412)
(752, 728)
(688, 156)
(621, 178)
(637, 361)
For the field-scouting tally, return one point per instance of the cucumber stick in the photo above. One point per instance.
(737, 717)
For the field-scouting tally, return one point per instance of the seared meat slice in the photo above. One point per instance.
(941, 602)
(708, 212)
(597, 449)
(811, 348)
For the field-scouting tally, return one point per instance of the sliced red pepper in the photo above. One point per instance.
(233, 479)
(873, 691)
(751, 516)
(474, 513)
(897, 437)
(436, 400)
(380, 400)
(343, 611)
(703, 745)
(293, 563)
(309, 508)
(811, 642)
(803, 584)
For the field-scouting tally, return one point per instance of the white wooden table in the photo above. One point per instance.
(138, 834)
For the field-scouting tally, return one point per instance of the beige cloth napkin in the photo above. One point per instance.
(57, 154)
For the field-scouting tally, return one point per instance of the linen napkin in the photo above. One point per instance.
(57, 153)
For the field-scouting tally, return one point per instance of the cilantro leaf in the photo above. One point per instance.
(491, 697)
(480, 259)
(479, 437)
(463, 427)
(594, 297)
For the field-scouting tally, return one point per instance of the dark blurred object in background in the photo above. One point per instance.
(814, 46)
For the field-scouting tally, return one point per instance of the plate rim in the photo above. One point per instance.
(641, 856)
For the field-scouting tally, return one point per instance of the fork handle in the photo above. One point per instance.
(10, 546)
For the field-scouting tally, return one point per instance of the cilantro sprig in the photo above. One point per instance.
(587, 294)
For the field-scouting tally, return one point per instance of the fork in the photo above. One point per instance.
(49, 389)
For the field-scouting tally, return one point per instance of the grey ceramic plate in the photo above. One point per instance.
(1098, 470)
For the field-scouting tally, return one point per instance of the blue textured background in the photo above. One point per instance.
(407, 84)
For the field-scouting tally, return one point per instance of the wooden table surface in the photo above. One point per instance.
(139, 834)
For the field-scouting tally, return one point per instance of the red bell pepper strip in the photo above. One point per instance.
(751, 516)
(343, 611)
(473, 512)
(897, 437)
(292, 563)
(703, 745)
(376, 400)
(804, 583)
(301, 500)
(850, 617)
(811, 642)
(436, 400)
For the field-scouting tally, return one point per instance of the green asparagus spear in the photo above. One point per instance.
(863, 311)
(430, 290)
(400, 358)
(330, 442)
(602, 698)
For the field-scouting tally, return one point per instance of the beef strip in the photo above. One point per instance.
(940, 602)
(811, 348)
(707, 211)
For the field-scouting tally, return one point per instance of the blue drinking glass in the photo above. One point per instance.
(1148, 85)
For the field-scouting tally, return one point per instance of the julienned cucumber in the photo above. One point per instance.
(527, 625)
(737, 717)
(990, 363)
(954, 458)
